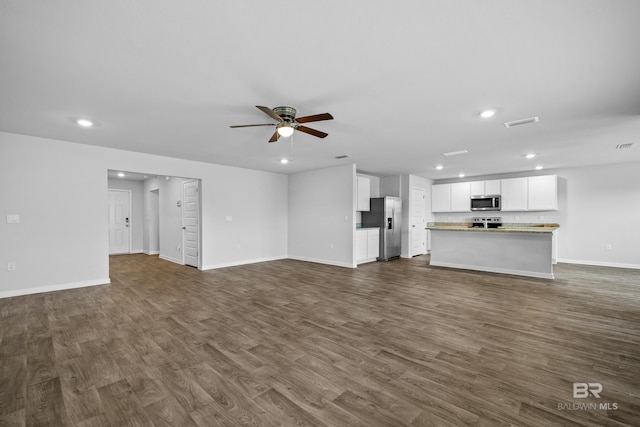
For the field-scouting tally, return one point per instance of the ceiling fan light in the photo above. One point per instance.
(285, 130)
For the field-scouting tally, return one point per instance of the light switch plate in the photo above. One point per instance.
(13, 219)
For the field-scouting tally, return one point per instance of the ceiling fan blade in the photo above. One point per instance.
(274, 137)
(314, 118)
(269, 112)
(247, 126)
(311, 131)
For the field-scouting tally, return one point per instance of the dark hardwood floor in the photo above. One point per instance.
(293, 343)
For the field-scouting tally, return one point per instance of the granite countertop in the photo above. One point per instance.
(504, 228)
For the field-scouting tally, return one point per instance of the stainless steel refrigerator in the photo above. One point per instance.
(386, 213)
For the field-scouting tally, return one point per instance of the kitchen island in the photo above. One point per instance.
(520, 249)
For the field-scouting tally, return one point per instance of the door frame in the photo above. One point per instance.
(130, 218)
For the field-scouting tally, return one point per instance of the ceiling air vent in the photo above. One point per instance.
(455, 153)
(625, 146)
(342, 156)
(522, 122)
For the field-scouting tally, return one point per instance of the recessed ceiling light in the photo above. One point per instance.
(121, 174)
(284, 161)
(461, 175)
(439, 167)
(530, 156)
(487, 113)
(539, 167)
(84, 123)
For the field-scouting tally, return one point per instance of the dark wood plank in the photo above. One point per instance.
(13, 384)
(288, 342)
(44, 405)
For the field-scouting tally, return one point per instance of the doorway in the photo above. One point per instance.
(160, 206)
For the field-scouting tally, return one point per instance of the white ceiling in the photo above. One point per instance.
(404, 80)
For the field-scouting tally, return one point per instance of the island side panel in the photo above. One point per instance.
(524, 254)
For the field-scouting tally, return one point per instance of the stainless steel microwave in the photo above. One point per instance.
(485, 203)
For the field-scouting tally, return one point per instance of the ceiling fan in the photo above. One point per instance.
(287, 122)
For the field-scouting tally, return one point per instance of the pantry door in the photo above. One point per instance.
(190, 222)
(418, 222)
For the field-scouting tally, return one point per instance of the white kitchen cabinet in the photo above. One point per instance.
(373, 243)
(441, 198)
(514, 194)
(485, 188)
(534, 193)
(461, 197)
(361, 245)
(493, 187)
(543, 193)
(477, 188)
(367, 244)
(363, 194)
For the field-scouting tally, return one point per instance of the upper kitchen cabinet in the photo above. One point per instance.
(535, 193)
(441, 198)
(363, 194)
(451, 197)
(543, 193)
(461, 197)
(485, 188)
(514, 194)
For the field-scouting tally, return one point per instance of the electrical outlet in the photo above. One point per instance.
(607, 246)
(11, 266)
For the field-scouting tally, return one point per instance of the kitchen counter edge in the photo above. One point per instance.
(505, 228)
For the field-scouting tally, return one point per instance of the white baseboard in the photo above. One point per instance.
(494, 270)
(243, 262)
(600, 264)
(51, 288)
(167, 258)
(152, 252)
(324, 261)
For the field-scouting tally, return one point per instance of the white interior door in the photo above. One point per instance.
(119, 222)
(418, 222)
(190, 220)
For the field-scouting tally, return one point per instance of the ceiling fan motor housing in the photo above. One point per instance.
(287, 113)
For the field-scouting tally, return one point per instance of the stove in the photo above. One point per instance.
(486, 222)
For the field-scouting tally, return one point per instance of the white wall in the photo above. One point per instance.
(60, 191)
(319, 202)
(596, 205)
(136, 218)
(170, 192)
(391, 186)
(151, 234)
